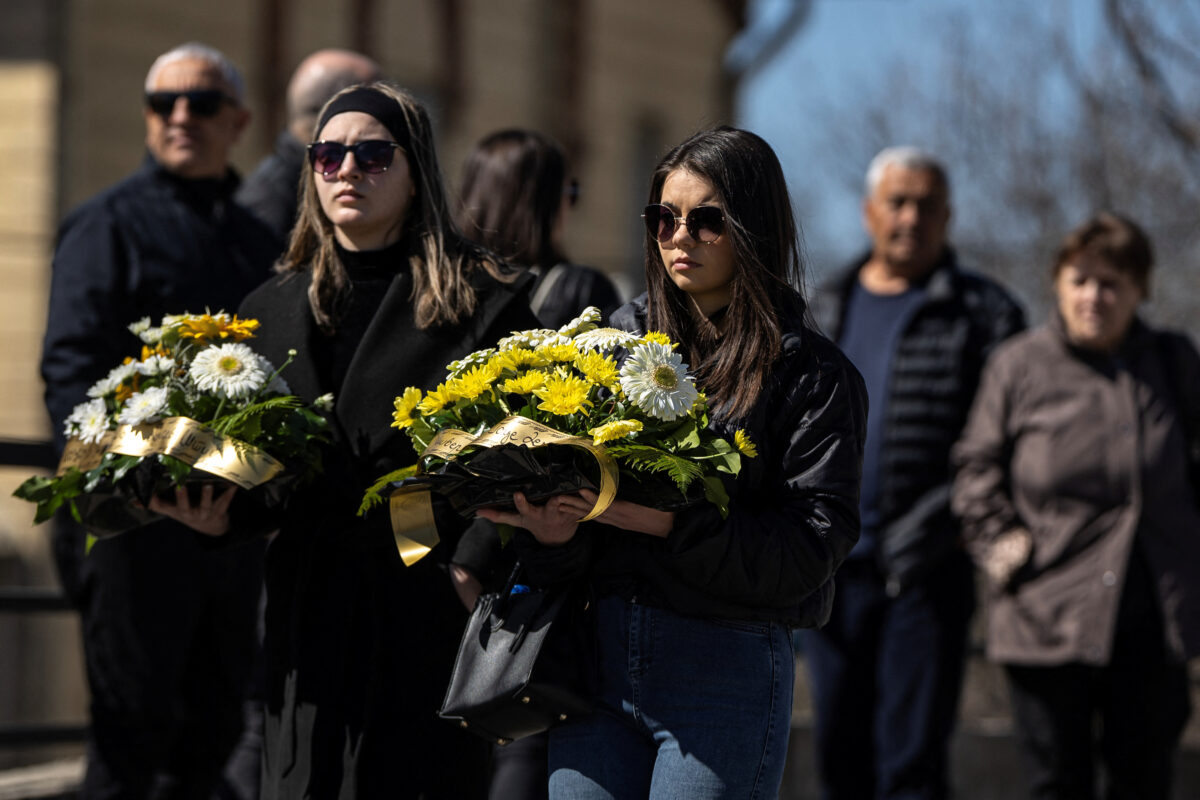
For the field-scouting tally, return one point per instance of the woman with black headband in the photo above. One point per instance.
(378, 291)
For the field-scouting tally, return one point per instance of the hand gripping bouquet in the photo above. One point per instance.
(199, 405)
(551, 412)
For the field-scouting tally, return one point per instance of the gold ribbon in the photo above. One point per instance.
(181, 438)
(412, 519)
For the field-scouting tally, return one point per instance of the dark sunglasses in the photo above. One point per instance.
(200, 102)
(704, 223)
(372, 156)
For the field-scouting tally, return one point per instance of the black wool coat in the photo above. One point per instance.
(359, 647)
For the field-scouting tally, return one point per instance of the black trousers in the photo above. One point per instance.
(1128, 716)
(169, 630)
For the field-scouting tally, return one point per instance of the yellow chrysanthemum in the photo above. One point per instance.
(598, 368)
(436, 399)
(658, 337)
(517, 359)
(614, 430)
(564, 394)
(207, 329)
(474, 382)
(742, 442)
(558, 353)
(528, 383)
(406, 408)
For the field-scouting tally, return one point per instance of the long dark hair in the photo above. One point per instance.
(511, 195)
(768, 274)
(442, 259)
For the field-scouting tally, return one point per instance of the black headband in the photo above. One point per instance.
(370, 101)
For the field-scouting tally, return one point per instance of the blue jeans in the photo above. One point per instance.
(688, 708)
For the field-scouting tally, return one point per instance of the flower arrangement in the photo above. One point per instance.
(628, 400)
(198, 404)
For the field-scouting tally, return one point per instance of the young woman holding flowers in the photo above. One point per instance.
(693, 609)
(378, 290)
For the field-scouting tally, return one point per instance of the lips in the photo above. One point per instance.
(684, 263)
(347, 194)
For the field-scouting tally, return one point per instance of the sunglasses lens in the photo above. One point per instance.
(326, 157)
(205, 103)
(374, 156)
(706, 223)
(660, 222)
(162, 103)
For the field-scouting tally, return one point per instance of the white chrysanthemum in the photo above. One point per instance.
(230, 370)
(604, 339)
(174, 319)
(144, 406)
(115, 377)
(139, 327)
(533, 339)
(586, 321)
(151, 335)
(156, 365)
(324, 403)
(655, 378)
(457, 368)
(88, 421)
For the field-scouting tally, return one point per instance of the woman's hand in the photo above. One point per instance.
(551, 524)
(623, 514)
(466, 584)
(210, 516)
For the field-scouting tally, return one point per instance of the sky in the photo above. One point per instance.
(842, 47)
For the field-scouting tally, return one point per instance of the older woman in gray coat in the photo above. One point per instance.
(1073, 486)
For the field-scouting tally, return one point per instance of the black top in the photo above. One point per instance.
(272, 191)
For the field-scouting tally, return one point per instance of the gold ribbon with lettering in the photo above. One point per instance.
(412, 518)
(181, 438)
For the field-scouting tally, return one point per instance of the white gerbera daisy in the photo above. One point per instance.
(88, 421)
(457, 368)
(589, 318)
(156, 365)
(144, 406)
(655, 378)
(533, 339)
(229, 370)
(604, 339)
(110, 382)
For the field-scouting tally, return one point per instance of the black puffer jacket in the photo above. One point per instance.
(934, 373)
(793, 513)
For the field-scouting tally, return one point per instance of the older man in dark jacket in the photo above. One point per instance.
(887, 669)
(169, 624)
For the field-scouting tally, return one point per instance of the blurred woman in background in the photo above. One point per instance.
(1073, 486)
(514, 198)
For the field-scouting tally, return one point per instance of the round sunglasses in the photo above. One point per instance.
(372, 156)
(704, 223)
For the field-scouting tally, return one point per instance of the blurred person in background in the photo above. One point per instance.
(514, 198)
(272, 190)
(1077, 487)
(887, 670)
(168, 623)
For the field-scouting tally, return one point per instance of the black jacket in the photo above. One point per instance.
(934, 373)
(359, 647)
(272, 191)
(152, 244)
(793, 511)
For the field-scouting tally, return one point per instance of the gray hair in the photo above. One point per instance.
(906, 157)
(200, 52)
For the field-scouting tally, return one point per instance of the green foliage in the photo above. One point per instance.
(374, 494)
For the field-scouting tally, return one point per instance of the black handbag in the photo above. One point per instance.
(526, 662)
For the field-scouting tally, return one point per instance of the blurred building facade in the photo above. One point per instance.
(617, 82)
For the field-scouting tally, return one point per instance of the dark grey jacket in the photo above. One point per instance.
(935, 369)
(793, 514)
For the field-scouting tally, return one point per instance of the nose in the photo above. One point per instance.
(910, 213)
(181, 112)
(348, 166)
(682, 236)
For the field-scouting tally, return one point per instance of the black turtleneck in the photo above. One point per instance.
(371, 273)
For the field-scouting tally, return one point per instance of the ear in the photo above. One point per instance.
(241, 120)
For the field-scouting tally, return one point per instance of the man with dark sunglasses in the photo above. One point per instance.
(169, 623)
(270, 190)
